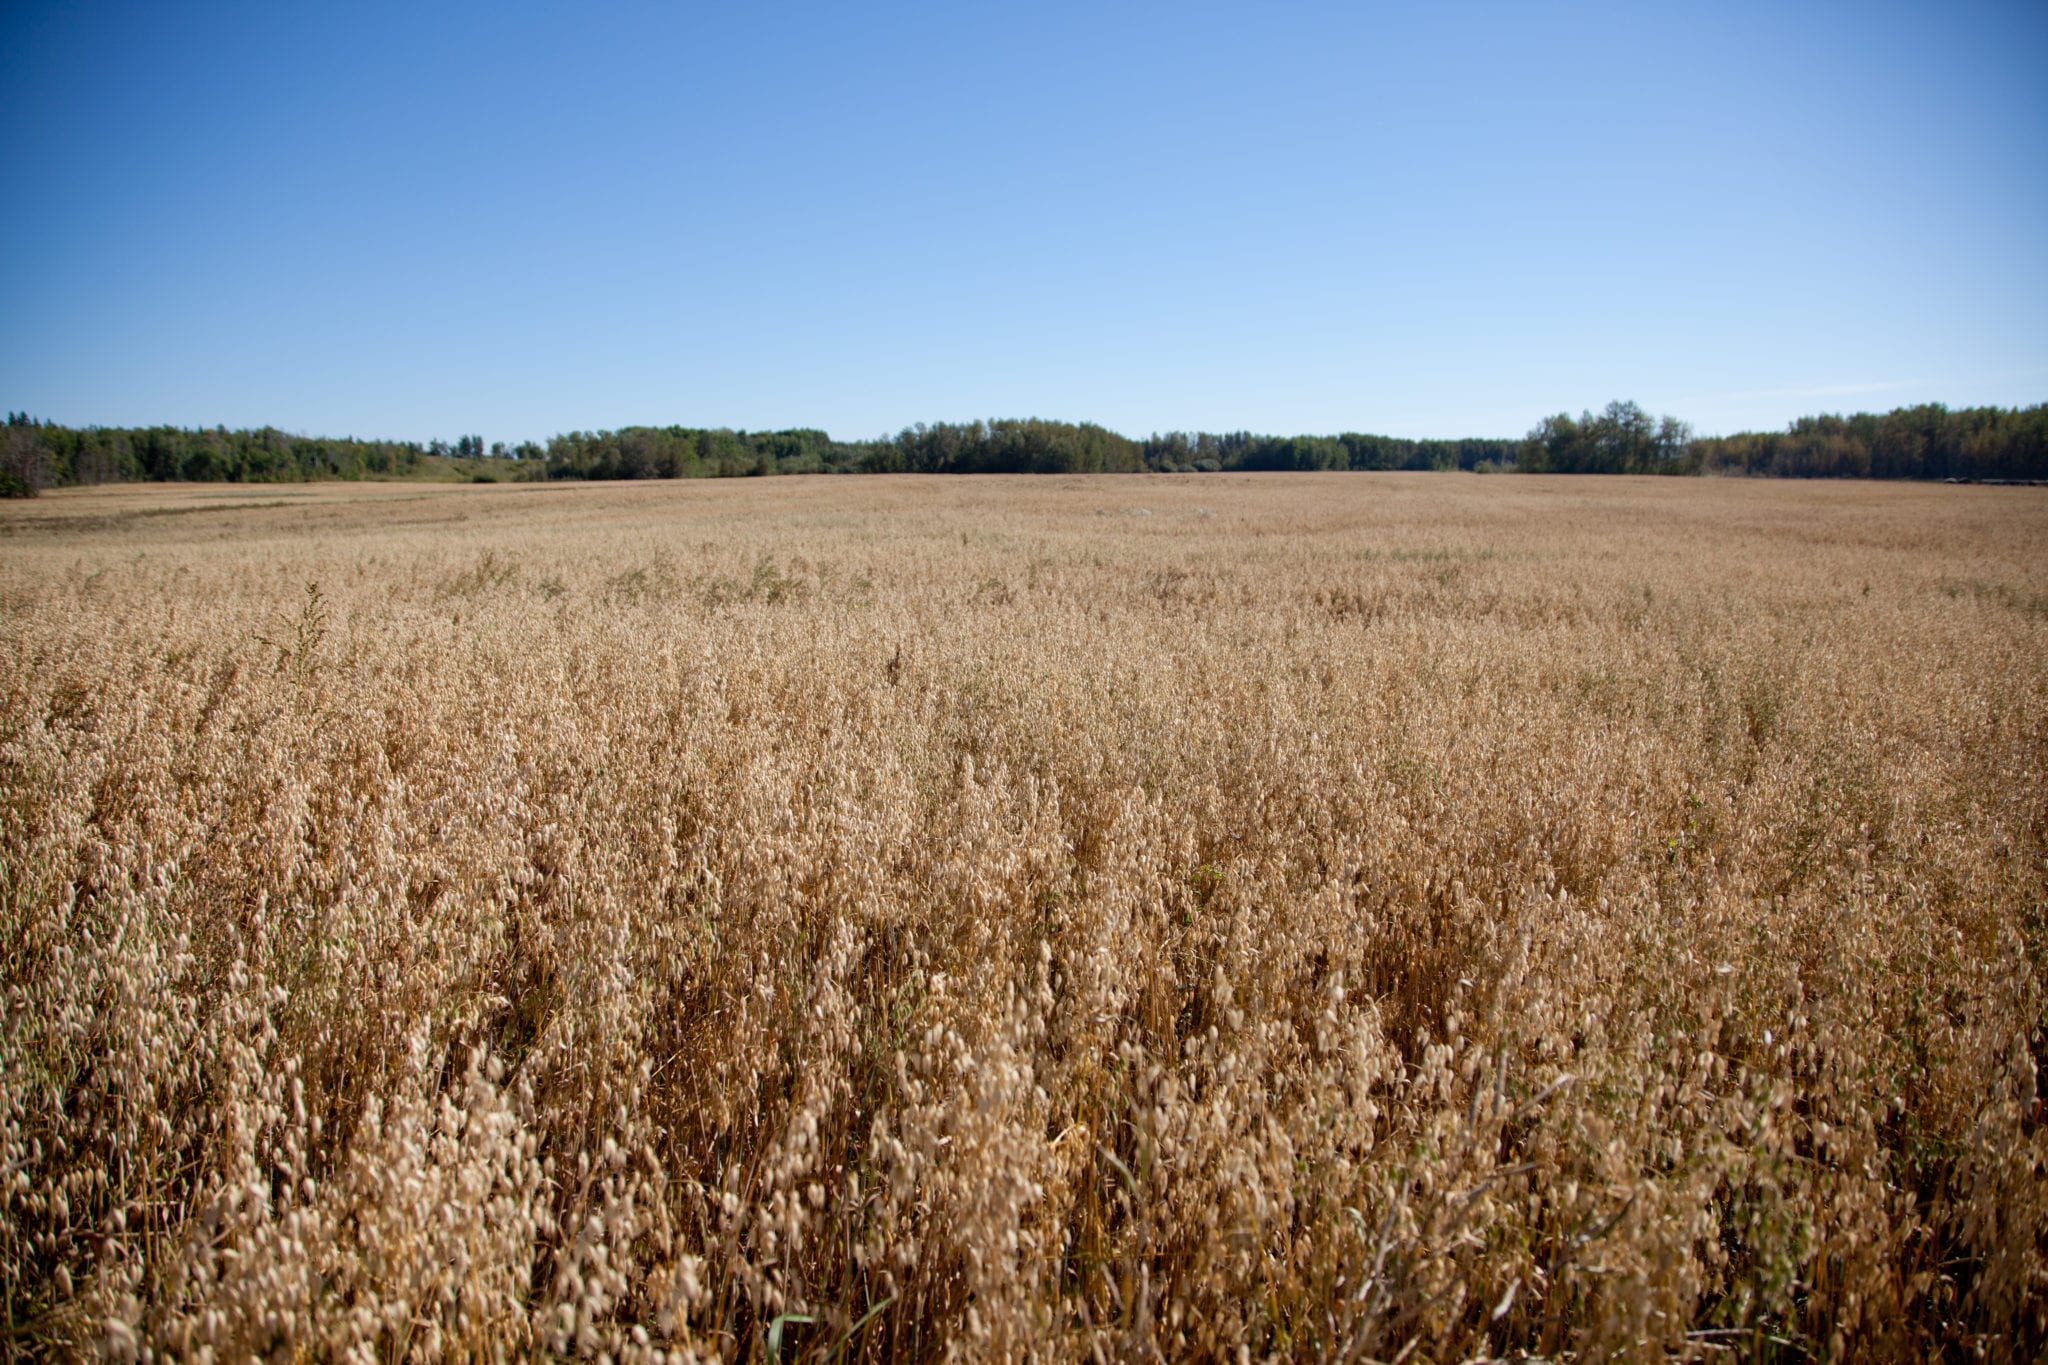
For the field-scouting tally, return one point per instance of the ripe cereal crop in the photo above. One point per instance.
(1302, 917)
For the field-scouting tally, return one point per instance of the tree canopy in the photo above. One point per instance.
(1925, 442)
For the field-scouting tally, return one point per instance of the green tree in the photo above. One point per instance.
(24, 463)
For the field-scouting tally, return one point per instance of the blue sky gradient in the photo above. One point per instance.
(1444, 220)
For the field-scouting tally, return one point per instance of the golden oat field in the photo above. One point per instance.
(1304, 917)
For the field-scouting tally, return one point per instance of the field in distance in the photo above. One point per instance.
(1317, 916)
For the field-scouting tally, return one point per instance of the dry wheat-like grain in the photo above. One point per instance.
(1315, 917)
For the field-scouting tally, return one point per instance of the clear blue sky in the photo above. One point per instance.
(423, 220)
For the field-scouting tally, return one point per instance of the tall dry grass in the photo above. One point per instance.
(1402, 918)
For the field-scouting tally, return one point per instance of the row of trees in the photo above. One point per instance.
(695, 452)
(1207, 451)
(1927, 442)
(1924, 442)
(73, 455)
(1622, 439)
(1032, 446)
(1021, 446)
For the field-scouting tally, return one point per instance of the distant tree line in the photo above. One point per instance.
(74, 455)
(1623, 439)
(1351, 450)
(694, 452)
(1015, 446)
(1926, 442)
